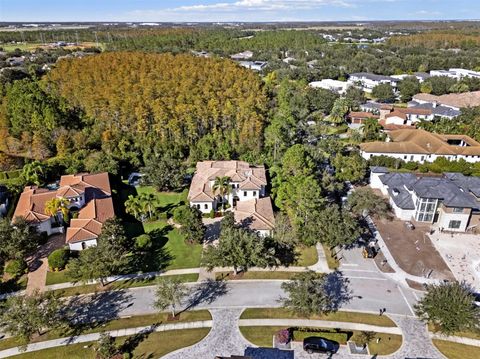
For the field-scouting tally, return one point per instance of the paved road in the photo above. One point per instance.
(366, 295)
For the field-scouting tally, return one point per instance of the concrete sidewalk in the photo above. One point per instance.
(114, 333)
(455, 339)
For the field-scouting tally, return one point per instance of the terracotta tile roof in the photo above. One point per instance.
(90, 220)
(75, 185)
(257, 212)
(421, 142)
(31, 204)
(361, 115)
(396, 113)
(248, 177)
(458, 100)
(393, 127)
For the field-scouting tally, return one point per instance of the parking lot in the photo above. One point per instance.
(413, 250)
(462, 254)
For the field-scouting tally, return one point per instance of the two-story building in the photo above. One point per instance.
(368, 81)
(422, 146)
(246, 194)
(450, 202)
(89, 194)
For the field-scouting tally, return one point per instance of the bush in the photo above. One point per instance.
(180, 214)
(57, 260)
(411, 166)
(143, 241)
(16, 267)
(283, 336)
(212, 213)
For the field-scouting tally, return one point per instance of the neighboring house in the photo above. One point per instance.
(4, 201)
(247, 192)
(408, 116)
(422, 146)
(355, 119)
(450, 202)
(368, 81)
(420, 76)
(438, 111)
(245, 55)
(457, 74)
(455, 101)
(89, 194)
(254, 65)
(339, 87)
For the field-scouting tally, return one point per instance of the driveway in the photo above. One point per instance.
(38, 263)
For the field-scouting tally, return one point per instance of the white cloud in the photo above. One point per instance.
(263, 5)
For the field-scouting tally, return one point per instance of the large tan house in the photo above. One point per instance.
(422, 146)
(246, 196)
(90, 194)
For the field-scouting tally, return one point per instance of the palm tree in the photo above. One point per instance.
(340, 108)
(55, 205)
(221, 186)
(371, 129)
(133, 206)
(147, 201)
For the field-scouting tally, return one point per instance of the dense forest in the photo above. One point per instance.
(438, 40)
(125, 105)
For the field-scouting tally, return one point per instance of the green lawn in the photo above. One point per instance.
(455, 350)
(307, 256)
(332, 262)
(164, 198)
(351, 317)
(56, 277)
(170, 248)
(153, 345)
(124, 284)
(121, 323)
(262, 336)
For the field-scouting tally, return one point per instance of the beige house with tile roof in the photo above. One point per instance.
(422, 146)
(88, 193)
(247, 192)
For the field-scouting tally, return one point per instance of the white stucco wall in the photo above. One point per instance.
(205, 207)
(77, 246)
(444, 219)
(420, 158)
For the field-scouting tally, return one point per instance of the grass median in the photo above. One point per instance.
(456, 350)
(387, 343)
(350, 317)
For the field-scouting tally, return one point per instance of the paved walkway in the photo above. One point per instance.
(224, 339)
(461, 340)
(322, 264)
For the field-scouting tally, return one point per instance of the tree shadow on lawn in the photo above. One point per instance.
(133, 341)
(89, 312)
(157, 258)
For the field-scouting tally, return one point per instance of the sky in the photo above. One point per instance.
(235, 10)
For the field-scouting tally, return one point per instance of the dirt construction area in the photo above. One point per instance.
(413, 250)
(462, 254)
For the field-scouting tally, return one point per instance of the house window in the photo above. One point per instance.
(84, 245)
(457, 210)
(405, 157)
(206, 206)
(422, 158)
(454, 224)
(425, 209)
(254, 193)
(198, 206)
(411, 158)
(244, 193)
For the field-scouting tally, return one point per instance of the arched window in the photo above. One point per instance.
(84, 245)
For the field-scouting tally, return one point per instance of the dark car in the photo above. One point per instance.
(319, 345)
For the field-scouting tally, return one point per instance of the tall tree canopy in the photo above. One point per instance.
(132, 97)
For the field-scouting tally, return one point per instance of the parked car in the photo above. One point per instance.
(320, 345)
(476, 299)
(409, 225)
